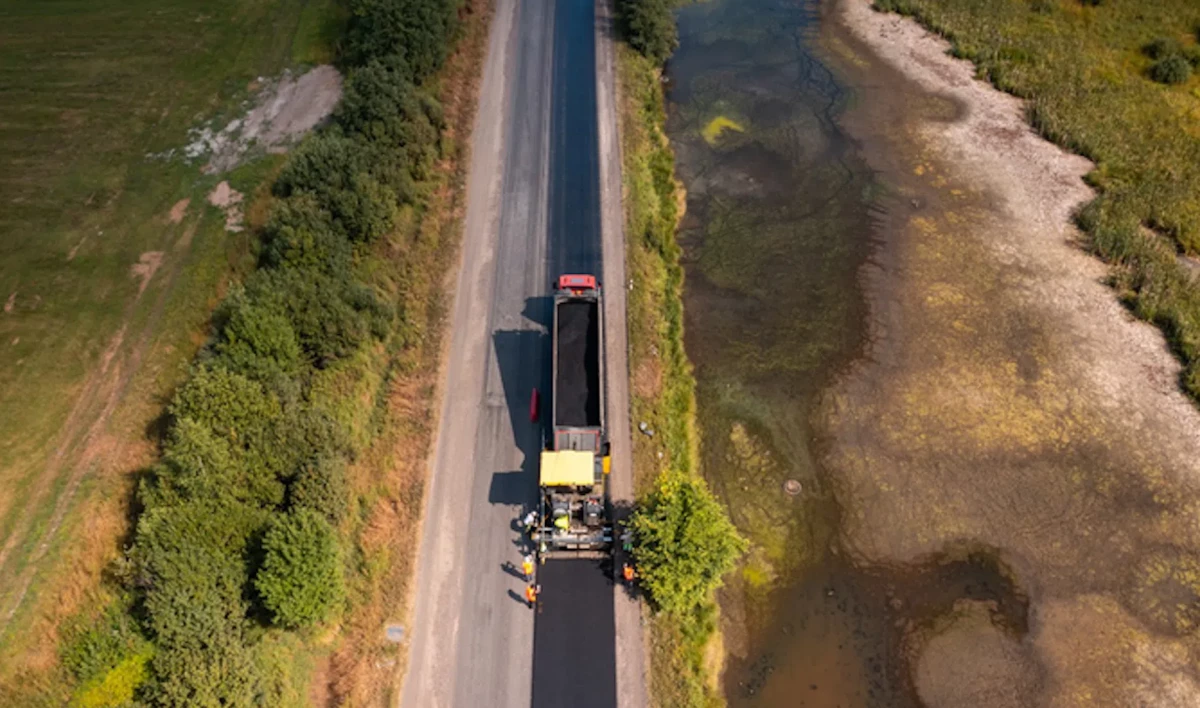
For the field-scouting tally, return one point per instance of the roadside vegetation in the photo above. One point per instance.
(274, 518)
(683, 540)
(111, 263)
(1113, 81)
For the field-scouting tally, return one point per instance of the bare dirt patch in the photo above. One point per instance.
(144, 270)
(282, 112)
(228, 200)
(178, 211)
(1007, 400)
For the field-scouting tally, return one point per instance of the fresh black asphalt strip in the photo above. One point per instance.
(573, 659)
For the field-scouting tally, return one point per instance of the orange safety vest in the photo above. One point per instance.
(628, 572)
(530, 594)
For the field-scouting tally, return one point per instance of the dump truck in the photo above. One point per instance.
(575, 513)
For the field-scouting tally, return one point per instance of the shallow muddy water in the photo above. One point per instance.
(784, 208)
(967, 476)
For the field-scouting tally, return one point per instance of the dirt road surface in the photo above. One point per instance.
(534, 211)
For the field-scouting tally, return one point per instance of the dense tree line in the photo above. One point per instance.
(244, 516)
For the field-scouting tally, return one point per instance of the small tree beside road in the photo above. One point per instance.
(683, 542)
(301, 577)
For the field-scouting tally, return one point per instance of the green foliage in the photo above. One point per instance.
(683, 542)
(230, 405)
(241, 413)
(92, 649)
(215, 544)
(419, 31)
(192, 563)
(1173, 69)
(301, 577)
(320, 486)
(381, 106)
(649, 27)
(116, 687)
(1162, 47)
(300, 233)
(197, 464)
(257, 341)
(335, 169)
(331, 316)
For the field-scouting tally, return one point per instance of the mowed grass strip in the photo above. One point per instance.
(1087, 70)
(88, 92)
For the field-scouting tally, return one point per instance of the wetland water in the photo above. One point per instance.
(785, 206)
(998, 477)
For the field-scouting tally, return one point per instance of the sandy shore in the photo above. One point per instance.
(1008, 403)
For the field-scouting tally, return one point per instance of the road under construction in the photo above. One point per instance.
(543, 201)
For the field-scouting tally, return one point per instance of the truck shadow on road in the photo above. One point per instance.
(523, 359)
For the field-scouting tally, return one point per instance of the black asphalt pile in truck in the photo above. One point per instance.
(575, 512)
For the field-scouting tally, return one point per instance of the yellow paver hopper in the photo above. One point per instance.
(568, 468)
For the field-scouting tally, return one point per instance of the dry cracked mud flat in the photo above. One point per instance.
(1006, 405)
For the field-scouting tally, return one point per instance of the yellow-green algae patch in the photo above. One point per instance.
(718, 126)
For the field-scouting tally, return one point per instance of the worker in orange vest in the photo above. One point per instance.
(531, 593)
(527, 566)
(627, 571)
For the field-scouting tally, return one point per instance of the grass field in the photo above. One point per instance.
(90, 345)
(1086, 70)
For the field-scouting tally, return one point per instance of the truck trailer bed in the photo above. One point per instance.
(577, 388)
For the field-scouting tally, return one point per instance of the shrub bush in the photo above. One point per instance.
(1174, 69)
(683, 542)
(301, 234)
(247, 416)
(649, 28)
(230, 405)
(192, 561)
(300, 581)
(256, 341)
(1162, 47)
(336, 170)
(197, 464)
(116, 687)
(320, 486)
(331, 316)
(420, 31)
(92, 649)
(381, 106)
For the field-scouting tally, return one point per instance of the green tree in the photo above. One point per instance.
(320, 486)
(300, 233)
(420, 31)
(331, 316)
(649, 27)
(256, 340)
(250, 419)
(336, 170)
(300, 581)
(381, 106)
(227, 403)
(683, 542)
(192, 562)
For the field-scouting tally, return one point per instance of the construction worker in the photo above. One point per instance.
(531, 593)
(527, 566)
(628, 573)
(531, 520)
